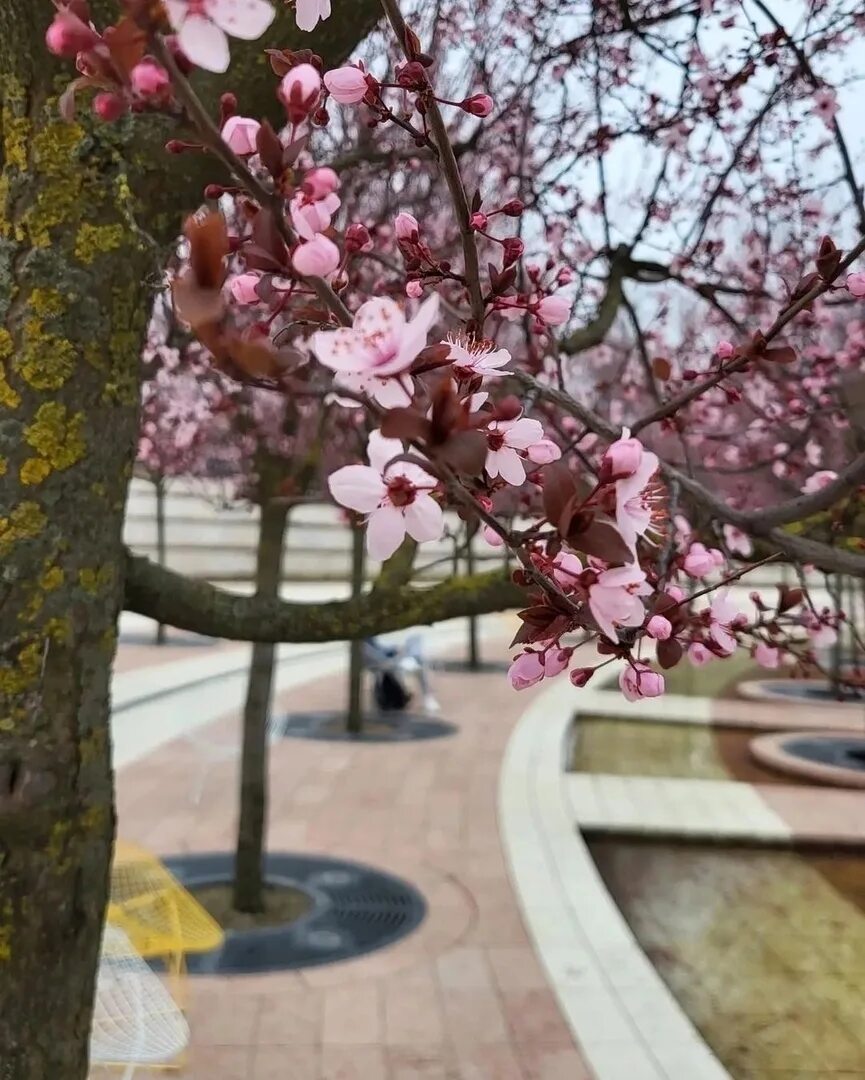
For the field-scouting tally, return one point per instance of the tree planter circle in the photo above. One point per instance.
(330, 725)
(799, 692)
(835, 758)
(355, 909)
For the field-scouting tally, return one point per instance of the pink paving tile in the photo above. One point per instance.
(218, 1063)
(489, 1063)
(290, 1015)
(534, 1017)
(285, 1063)
(474, 1017)
(412, 1010)
(422, 1063)
(220, 1019)
(541, 1062)
(516, 967)
(353, 1063)
(353, 1015)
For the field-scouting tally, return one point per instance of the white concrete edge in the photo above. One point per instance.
(625, 1020)
(666, 709)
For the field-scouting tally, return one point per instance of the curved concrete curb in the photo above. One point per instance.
(625, 1020)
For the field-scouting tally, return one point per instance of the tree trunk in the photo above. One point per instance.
(72, 315)
(474, 652)
(354, 719)
(248, 867)
(159, 489)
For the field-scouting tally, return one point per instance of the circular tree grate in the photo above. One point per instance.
(355, 909)
(329, 725)
(485, 667)
(830, 757)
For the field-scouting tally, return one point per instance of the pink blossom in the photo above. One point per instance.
(320, 182)
(239, 133)
(543, 452)
(317, 257)
(723, 615)
(580, 676)
(634, 501)
(767, 656)
(299, 90)
(406, 226)
(856, 284)
(381, 341)
(724, 350)
(492, 537)
(826, 104)
(243, 288)
(614, 599)
(699, 561)
(201, 26)
(395, 495)
(476, 358)
(638, 680)
(311, 216)
(347, 85)
(554, 310)
(818, 480)
(109, 107)
(566, 569)
(526, 670)
(556, 660)
(659, 628)
(149, 79)
(478, 104)
(414, 289)
(738, 543)
(699, 655)
(68, 35)
(308, 12)
(623, 457)
(508, 441)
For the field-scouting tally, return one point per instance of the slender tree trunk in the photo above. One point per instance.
(159, 488)
(248, 867)
(354, 719)
(474, 651)
(73, 308)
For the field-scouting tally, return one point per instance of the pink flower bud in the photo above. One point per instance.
(856, 284)
(357, 239)
(767, 656)
(513, 207)
(478, 104)
(512, 249)
(565, 276)
(699, 655)
(318, 183)
(316, 258)
(239, 134)
(109, 107)
(68, 35)
(526, 670)
(299, 90)
(149, 79)
(724, 350)
(554, 310)
(659, 628)
(406, 227)
(581, 675)
(556, 661)
(622, 459)
(490, 535)
(699, 561)
(414, 289)
(640, 681)
(243, 288)
(478, 221)
(347, 85)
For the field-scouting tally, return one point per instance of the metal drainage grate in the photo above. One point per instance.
(355, 910)
(329, 725)
(837, 751)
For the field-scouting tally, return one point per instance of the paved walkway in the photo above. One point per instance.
(463, 998)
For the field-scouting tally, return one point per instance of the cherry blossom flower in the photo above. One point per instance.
(623, 457)
(317, 257)
(556, 660)
(826, 104)
(614, 599)
(308, 12)
(476, 358)
(554, 310)
(818, 480)
(635, 501)
(566, 569)
(243, 288)
(526, 670)
(508, 441)
(347, 85)
(319, 183)
(638, 680)
(723, 615)
(68, 35)
(239, 133)
(699, 655)
(543, 452)
(856, 284)
(659, 628)
(299, 90)
(311, 216)
(202, 25)
(406, 226)
(149, 79)
(701, 561)
(395, 495)
(767, 656)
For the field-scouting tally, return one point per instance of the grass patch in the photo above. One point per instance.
(282, 904)
(620, 747)
(717, 679)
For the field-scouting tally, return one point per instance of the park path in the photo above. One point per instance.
(464, 997)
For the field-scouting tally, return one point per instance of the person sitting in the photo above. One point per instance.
(389, 664)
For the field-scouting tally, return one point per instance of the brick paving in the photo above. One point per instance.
(464, 997)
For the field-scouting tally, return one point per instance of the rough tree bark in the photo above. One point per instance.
(248, 878)
(85, 213)
(72, 313)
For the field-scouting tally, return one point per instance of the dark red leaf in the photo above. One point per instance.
(208, 247)
(669, 653)
(270, 150)
(661, 368)
(404, 424)
(466, 452)
(559, 491)
(602, 540)
(782, 354)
